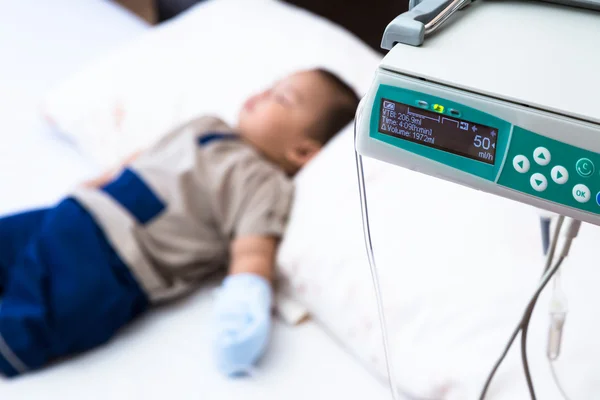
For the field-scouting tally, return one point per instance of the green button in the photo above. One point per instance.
(584, 167)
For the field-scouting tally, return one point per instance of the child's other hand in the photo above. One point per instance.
(109, 175)
(242, 323)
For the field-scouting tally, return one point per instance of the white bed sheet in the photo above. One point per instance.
(166, 354)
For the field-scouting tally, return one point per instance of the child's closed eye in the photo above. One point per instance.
(280, 98)
(283, 98)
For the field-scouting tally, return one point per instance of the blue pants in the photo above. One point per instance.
(63, 289)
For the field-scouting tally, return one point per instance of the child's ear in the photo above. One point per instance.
(302, 152)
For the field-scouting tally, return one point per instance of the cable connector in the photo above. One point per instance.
(558, 316)
(570, 233)
(558, 304)
(557, 323)
(545, 227)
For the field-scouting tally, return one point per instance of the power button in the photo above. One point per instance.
(584, 167)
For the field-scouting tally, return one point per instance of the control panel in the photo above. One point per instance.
(552, 170)
(445, 133)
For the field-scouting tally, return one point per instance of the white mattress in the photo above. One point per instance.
(166, 354)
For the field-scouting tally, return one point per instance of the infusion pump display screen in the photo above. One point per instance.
(437, 130)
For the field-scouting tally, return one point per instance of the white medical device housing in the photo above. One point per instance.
(505, 98)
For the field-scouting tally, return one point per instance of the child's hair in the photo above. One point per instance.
(343, 110)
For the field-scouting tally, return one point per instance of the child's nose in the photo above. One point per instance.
(265, 94)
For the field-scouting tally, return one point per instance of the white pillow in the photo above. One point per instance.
(456, 268)
(208, 60)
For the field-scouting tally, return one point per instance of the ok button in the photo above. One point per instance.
(581, 193)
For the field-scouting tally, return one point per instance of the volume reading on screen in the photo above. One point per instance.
(438, 131)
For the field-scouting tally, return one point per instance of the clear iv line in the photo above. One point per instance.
(374, 274)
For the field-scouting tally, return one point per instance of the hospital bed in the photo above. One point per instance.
(453, 325)
(167, 353)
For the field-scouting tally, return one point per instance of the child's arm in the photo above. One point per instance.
(109, 175)
(254, 213)
(243, 307)
(253, 255)
(99, 181)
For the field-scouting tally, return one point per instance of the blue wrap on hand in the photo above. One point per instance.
(242, 322)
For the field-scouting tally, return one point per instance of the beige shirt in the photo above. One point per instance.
(173, 212)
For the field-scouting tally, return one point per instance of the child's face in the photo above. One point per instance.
(279, 120)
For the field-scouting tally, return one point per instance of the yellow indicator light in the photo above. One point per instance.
(438, 108)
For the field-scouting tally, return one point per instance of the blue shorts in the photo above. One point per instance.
(63, 289)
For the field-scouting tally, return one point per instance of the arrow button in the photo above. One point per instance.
(521, 164)
(538, 182)
(541, 155)
(559, 174)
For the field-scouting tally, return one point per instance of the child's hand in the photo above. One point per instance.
(242, 322)
(109, 175)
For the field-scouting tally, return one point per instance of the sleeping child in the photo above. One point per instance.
(205, 198)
